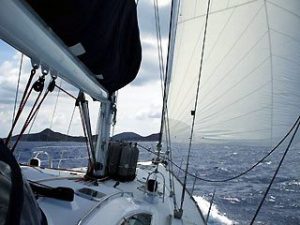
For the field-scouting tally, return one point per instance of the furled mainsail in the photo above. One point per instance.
(104, 34)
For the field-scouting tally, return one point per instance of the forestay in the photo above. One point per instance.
(249, 86)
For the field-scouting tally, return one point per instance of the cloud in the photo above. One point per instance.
(146, 19)
(9, 70)
(152, 112)
(139, 108)
(149, 71)
(139, 103)
(161, 3)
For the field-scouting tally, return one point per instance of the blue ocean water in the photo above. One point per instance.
(235, 202)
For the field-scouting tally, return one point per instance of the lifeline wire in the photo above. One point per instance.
(240, 174)
(275, 174)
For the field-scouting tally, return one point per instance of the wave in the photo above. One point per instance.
(215, 217)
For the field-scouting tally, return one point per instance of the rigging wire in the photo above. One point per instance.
(72, 116)
(164, 79)
(34, 119)
(159, 45)
(195, 107)
(276, 172)
(66, 92)
(243, 172)
(69, 126)
(38, 86)
(57, 96)
(30, 117)
(18, 86)
(55, 105)
(23, 101)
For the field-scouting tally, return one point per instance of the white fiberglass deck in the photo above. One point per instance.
(115, 203)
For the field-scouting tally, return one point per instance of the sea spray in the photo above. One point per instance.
(215, 217)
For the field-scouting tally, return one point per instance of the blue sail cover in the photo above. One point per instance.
(103, 34)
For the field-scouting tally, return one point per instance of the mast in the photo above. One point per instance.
(169, 66)
(104, 128)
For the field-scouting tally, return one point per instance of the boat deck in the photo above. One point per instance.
(110, 202)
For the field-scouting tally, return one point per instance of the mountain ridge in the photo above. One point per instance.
(50, 135)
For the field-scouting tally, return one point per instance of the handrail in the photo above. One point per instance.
(37, 153)
(81, 221)
(164, 181)
(52, 161)
(21, 28)
(195, 180)
(61, 158)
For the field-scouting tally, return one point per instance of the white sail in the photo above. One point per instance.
(249, 87)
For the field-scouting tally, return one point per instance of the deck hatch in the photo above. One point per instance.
(90, 194)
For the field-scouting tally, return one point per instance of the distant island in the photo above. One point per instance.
(49, 135)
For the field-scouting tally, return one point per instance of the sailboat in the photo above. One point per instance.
(232, 77)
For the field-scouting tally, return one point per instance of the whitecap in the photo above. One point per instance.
(215, 217)
(232, 199)
(294, 182)
(272, 198)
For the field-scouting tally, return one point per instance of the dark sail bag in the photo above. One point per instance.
(103, 34)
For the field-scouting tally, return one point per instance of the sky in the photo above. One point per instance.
(139, 103)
